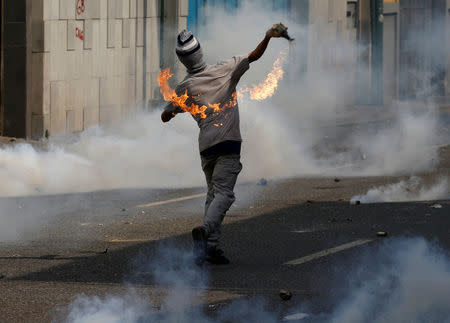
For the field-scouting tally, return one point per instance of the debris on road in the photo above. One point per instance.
(285, 294)
(309, 202)
(436, 206)
(262, 182)
(2, 276)
(100, 224)
(123, 210)
(106, 251)
(216, 306)
(128, 222)
(337, 180)
(355, 202)
(142, 212)
(381, 234)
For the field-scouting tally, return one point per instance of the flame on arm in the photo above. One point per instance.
(267, 88)
(180, 101)
(259, 92)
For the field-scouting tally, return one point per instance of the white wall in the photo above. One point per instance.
(328, 39)
(88, 61)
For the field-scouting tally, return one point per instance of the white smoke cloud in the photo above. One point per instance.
(186, 285)
(138, 153)
(282, 135)
(412, 189)
(114, 309)
(405, 146)
(411, 283)
(403, 280)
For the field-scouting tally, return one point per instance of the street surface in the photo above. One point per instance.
(300, 234)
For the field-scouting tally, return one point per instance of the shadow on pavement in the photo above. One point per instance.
(259, 246)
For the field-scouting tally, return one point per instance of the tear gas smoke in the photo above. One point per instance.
(115, 309)
(403, 280)
(138, 153)
(281, 135)
(410, 283)
(186, 284)
(412, 189)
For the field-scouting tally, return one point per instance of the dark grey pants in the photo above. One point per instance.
(221, 174)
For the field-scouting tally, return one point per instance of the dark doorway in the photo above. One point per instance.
(2, 88)
(14, 68)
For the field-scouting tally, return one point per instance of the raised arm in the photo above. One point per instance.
(261, 48)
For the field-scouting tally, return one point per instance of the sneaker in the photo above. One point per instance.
(216, 257)
(200, 238)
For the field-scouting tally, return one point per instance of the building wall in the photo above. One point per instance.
(328, 29)
(94, 61)
(415, 65)
(447, 29)
(364, 55)
(391, 44)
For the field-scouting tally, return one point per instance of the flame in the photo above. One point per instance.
(267, 88)
(257, 92)
(215, 106)
(169, 94)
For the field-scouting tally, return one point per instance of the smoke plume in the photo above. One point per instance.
(402, 280)
(410, 284)
(294, 133)
(412, 189)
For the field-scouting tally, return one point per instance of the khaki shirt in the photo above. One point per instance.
(215, 84)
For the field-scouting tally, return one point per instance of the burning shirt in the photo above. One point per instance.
(212, 100)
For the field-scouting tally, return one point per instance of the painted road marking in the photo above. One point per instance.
(130, 240)
(179, 199)
(327, 252)
(295, 317)
(190, 197)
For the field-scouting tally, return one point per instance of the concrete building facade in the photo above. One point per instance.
(69, 64)
(86, 62)
(331, 22)
(401, 52)
(416, 49)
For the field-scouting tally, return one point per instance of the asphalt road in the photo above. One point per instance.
(300, 234)
(102, 243)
